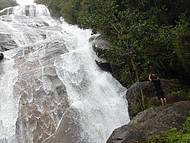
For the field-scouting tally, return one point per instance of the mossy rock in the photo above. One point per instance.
(152, 122)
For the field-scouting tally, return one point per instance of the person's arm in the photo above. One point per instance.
(149, 77)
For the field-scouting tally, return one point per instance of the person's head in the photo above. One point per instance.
(153, 76)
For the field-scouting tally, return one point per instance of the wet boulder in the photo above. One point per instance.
(105, 66)
(98, 42)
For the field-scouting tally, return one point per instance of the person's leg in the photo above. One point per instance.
(162, 101)
(165, 101)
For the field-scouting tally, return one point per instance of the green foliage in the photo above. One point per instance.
(186, 126)
(146, 35)
(182, 92)
(7, 3)
(173, 135)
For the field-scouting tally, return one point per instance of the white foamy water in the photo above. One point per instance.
(8, 102)
(25, 2)
(95, 94)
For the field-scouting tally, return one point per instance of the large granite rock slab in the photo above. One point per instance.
(41, 94)
(152, 121)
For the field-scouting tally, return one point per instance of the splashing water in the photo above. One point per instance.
(96, 95)
(8, 103)
(25, 2)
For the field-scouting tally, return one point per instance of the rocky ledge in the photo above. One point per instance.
(152, 121)
(147, 90)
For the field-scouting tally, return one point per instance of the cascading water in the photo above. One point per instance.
(52, 75)
(8, 103)
(95, 95)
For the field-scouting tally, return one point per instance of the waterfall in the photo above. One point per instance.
(51, 77)
(8, 102)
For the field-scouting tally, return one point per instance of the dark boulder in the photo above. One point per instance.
(99, 43)
(105, 66)
(152, 121)
(147, 90)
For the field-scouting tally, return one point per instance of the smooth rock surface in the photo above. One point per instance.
(152, 121)
(43, 97)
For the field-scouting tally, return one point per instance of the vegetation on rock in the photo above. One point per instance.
(173, 135)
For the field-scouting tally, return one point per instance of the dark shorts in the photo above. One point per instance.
(160, 94)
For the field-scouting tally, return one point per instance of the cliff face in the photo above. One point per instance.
(151, 122)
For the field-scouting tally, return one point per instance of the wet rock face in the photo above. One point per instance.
(6, 42)
(105, 66)
(69, 129)
(152, 121)
(42, 95)
(99, 43)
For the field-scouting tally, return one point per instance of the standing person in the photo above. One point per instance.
(159, 92)
(1, 56)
